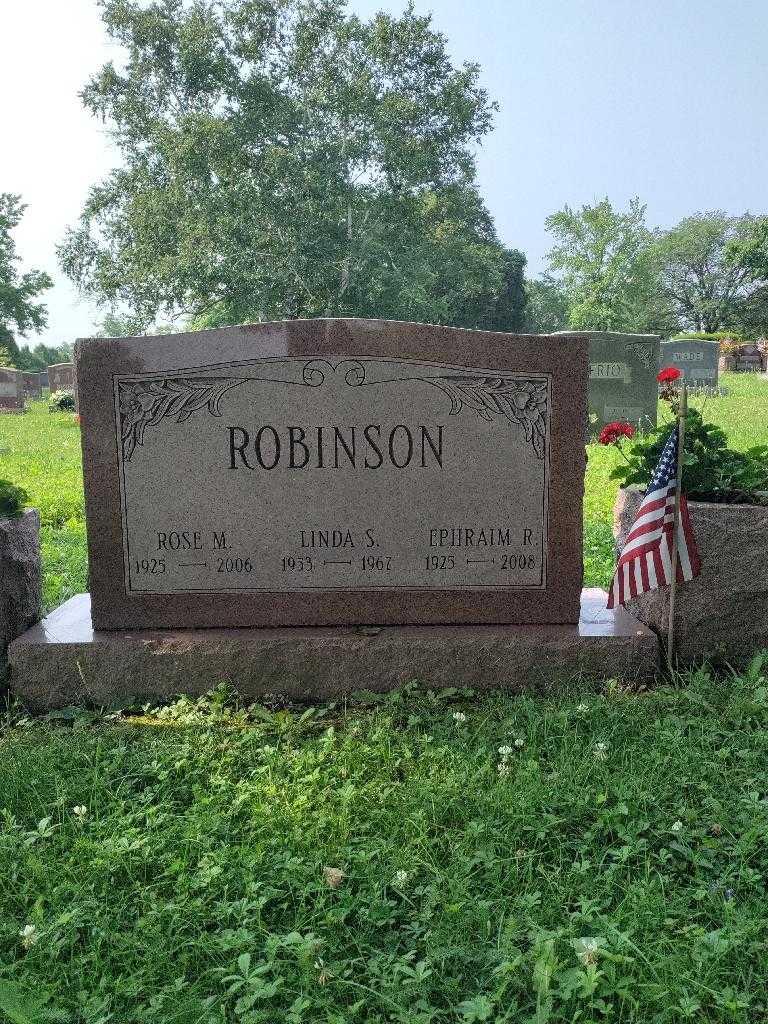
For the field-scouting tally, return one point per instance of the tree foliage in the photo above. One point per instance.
(606, 262)
(707, 284)
(284, 159)
(41, 356)
(547, 305)
(20, 313)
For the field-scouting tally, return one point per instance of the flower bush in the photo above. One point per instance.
(613, 432)
(61, 401)
(669, 373)
(711, 470)
(12, 500)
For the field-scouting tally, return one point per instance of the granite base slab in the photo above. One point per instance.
(63, 661)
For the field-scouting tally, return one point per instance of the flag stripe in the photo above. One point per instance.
(645, 561)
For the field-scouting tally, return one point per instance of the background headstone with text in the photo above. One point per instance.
(696, 359)
(622, 377)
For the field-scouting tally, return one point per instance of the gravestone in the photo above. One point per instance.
(749, 359)
(43, 382)
(333, 472)
(697, 360)
(622, 377)
(32, 387)
(62, 377)
(11, 390)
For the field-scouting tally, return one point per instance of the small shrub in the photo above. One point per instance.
(62, 401)
(12, 500)
(711, 470)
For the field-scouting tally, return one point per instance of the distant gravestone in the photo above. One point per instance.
(43, 381)
(749, 359)
(61, 377)
(32, 387)
(696, 359)
(622, 377)
(11, 390)
(333, 472)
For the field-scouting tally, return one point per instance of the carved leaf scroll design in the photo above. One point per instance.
(522, 402)
(643, 353)
(144, 403)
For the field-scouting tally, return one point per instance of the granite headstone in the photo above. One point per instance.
(749, 359)
(622, 377)
(696, 359)
(32, 387)
(329, 472)
(11, 390)
(62, 377)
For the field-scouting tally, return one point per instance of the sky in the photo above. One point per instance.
(664, 99)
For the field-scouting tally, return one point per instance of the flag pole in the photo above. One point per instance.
(680, 426)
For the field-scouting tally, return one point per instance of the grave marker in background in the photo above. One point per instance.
(697, 360)
(32, 387)
(11, 390)
(61, 377)
(622, 377)
(334, 472)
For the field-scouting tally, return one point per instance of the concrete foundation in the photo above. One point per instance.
(62, 661)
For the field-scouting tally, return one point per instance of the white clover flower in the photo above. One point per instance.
(677, 826)
(600, 750)
(506, 751)
(582, 709)
(29, 935)
(401, 877)
(502, 768)
(80, 811)
(459, 716)
(519, 742)
(588, 953)
(333, 877)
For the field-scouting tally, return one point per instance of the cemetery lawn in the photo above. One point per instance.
(598, 857)
(41, 451)
(416, 858)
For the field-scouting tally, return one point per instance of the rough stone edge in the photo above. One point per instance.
(323, 663)
(652, 609)
(27, 526)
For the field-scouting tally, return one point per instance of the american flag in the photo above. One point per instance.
(645, 562)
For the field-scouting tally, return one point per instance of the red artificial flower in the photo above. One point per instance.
(669, 373)
(611, 432)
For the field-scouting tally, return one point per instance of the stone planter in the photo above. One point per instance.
(722, 615)
(20, 591)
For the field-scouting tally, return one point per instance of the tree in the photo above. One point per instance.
(19, 312)
(116, 325)
(509, 307)
(708, 269)
(283, 159)
(608, 268)
(41, 356)
(547, 308)
(749, 251)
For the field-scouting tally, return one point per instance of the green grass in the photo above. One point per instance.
(41, 451)
(622, 882)
(610, 867)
